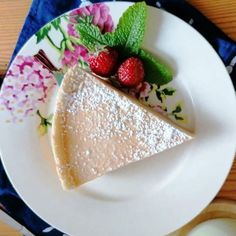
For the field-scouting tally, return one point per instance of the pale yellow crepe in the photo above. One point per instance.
(97, 129)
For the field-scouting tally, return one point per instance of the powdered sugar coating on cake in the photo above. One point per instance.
(97, 129)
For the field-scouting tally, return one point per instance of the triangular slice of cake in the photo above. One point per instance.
(97, 128)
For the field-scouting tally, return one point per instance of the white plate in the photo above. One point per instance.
(152, 197)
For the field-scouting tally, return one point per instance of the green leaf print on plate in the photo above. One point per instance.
(158, 97)
(45, 122)
(56, 23)
(43, 32)
(61, 34)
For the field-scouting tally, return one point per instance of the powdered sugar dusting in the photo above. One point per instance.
(111, 129)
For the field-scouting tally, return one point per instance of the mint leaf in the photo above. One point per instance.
(42, 33)
(91, 36)
(130, 29)
(127, 37)
(155, 71)
(85, 19)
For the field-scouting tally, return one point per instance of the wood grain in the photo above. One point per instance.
(217, 209)
(228, 191)
(12, 14)
(222, 13)
(6, 230)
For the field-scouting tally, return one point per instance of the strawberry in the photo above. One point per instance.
(104, 62)
(131, 72)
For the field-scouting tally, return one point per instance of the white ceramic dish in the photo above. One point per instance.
(152, 197)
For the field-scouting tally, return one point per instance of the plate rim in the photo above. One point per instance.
(121, 2)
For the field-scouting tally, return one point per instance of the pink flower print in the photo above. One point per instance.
(27, 84)
(27, 69)
(71, 30)
(37, 67)
(132, 93)
(70, 58)
(45, 73)
(16, 69)
(140, 91)
(159, 109)
(101, 18)
(144, 90)
(19, 60)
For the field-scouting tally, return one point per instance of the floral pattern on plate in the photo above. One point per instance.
(27, 84)
(155, 97)
(31, 78)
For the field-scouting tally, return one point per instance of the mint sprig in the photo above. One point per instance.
(91, 36)
(129, 32)
(155, 71)
(127, 37)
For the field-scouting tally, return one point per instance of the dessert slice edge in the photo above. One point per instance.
(61, 143)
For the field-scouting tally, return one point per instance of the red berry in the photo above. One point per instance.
(104, 63)
(131, 72)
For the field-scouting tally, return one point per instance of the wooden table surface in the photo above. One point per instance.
(222, 13)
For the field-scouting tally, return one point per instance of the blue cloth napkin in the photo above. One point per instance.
(41, 12)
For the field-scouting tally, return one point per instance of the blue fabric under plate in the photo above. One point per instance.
(43, 11)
